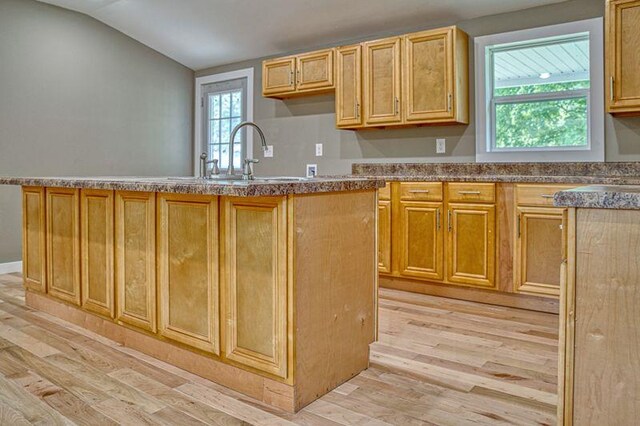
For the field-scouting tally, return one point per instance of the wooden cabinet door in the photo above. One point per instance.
(255, 287)
(314, 71)
(188, 270)
(428, 75)
(471, 244)
(349, 86)
(135, 259)
(623, 56)
(384, 236)
(96, 245)
(421, 248)
(63, 244)
(539, 243)
(278, 76)
(382, 81)
(34, 260)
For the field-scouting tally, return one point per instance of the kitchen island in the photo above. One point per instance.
(267, 287)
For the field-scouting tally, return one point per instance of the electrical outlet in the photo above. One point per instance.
(441, 146)
(268, 153)
(312, 170)
(318, 150)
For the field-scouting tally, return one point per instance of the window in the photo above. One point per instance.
(540, 95)
(224, 101)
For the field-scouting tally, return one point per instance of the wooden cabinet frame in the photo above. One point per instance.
(346, 116)
(34, 257)
(385, 220)
(394, 95)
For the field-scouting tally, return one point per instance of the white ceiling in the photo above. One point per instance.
(204, 33)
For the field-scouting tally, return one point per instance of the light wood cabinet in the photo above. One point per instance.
(384, 236)
(188, 270)
(96, 245)
(254, 235)
(435, 76)
(622, 58)
(421, 240)
(34, 239)
(471, 244)
(135, 223)
(382, 80)
(349, 86)
(63, 244)
(304, 74)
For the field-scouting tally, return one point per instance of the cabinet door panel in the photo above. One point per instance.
(428, 75)
(255, 265)
(63, 244)
(539, 251)
(96, 212)
(34, 239)
(384, 236)
(349, 86)
(421, 240)
(623, 56)
(135, 259)
(314, 70)
(471, 244)
(382, 81)
(278, 76)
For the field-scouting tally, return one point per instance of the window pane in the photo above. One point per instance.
(215, 131)
(215, 153)
(234, 123)
(225, 100)
(541, 66)
(237, 156)
(541, 124)
(214, 106)
(225, 131)
(236, 104)
(224, 156)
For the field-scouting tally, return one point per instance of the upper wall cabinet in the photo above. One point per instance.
(305, 74)
(623, 56)
(349, 86)
(435, 77)
(382, 81)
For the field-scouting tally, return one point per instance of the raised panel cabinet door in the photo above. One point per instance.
(349, 86)
(34, 261)
(135, 221)
(278, 76)
(539, 253)
(314, 71)
(384, 236)
(382, 81)
(188, 270)
(63, 244)
(96, 245)
(471, 244)
(428, 75)
(421, 240)
(623, 56)
(255, 287)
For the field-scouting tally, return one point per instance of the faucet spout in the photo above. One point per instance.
(233, 136)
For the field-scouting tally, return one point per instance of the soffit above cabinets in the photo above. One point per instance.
(205, 33)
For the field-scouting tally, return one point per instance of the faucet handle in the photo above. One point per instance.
(215, 170)
(247, 170)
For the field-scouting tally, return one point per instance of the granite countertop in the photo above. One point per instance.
(609, 180)
(188, 185)
(600, 197)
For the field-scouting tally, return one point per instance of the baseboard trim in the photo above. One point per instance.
(10, 267)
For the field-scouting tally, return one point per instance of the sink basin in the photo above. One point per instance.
(283, 178)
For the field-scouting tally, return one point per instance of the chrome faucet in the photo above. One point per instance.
(247, 172)
(205, 173)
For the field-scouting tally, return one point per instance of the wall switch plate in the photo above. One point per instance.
(312, 170)
(318, 150)
(441, 146)
(268, 153)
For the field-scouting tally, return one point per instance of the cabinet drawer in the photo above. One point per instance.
(538, 195)
(385, 193)
(460, 192)
(423, 191)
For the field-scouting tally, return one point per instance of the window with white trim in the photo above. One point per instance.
(540, 95)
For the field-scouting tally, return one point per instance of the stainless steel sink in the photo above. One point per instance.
(283, 178)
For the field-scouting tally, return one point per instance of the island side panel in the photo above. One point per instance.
(334, 273)
(34, 239)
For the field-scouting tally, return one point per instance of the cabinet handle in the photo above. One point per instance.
(449, 226)
(419, 191)
(298, 80)
(357, 110)
(469, 192)
(397, 106)
(449, 102)
(518, 225)
(611, 87)
(546, 195)
(291, 78)
(438, 218)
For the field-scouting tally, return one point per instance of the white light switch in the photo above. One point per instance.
(318, 150)
(268, 152)
(441, 146)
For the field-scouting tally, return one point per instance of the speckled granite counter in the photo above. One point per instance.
(185, 185)
(600, 197)
(580, 173)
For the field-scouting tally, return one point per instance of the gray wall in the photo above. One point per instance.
(80, 98)
(295, 126)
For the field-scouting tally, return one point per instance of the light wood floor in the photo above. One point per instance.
(438, 361)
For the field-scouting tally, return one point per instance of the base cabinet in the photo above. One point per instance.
(422, 240)
(34, 239)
